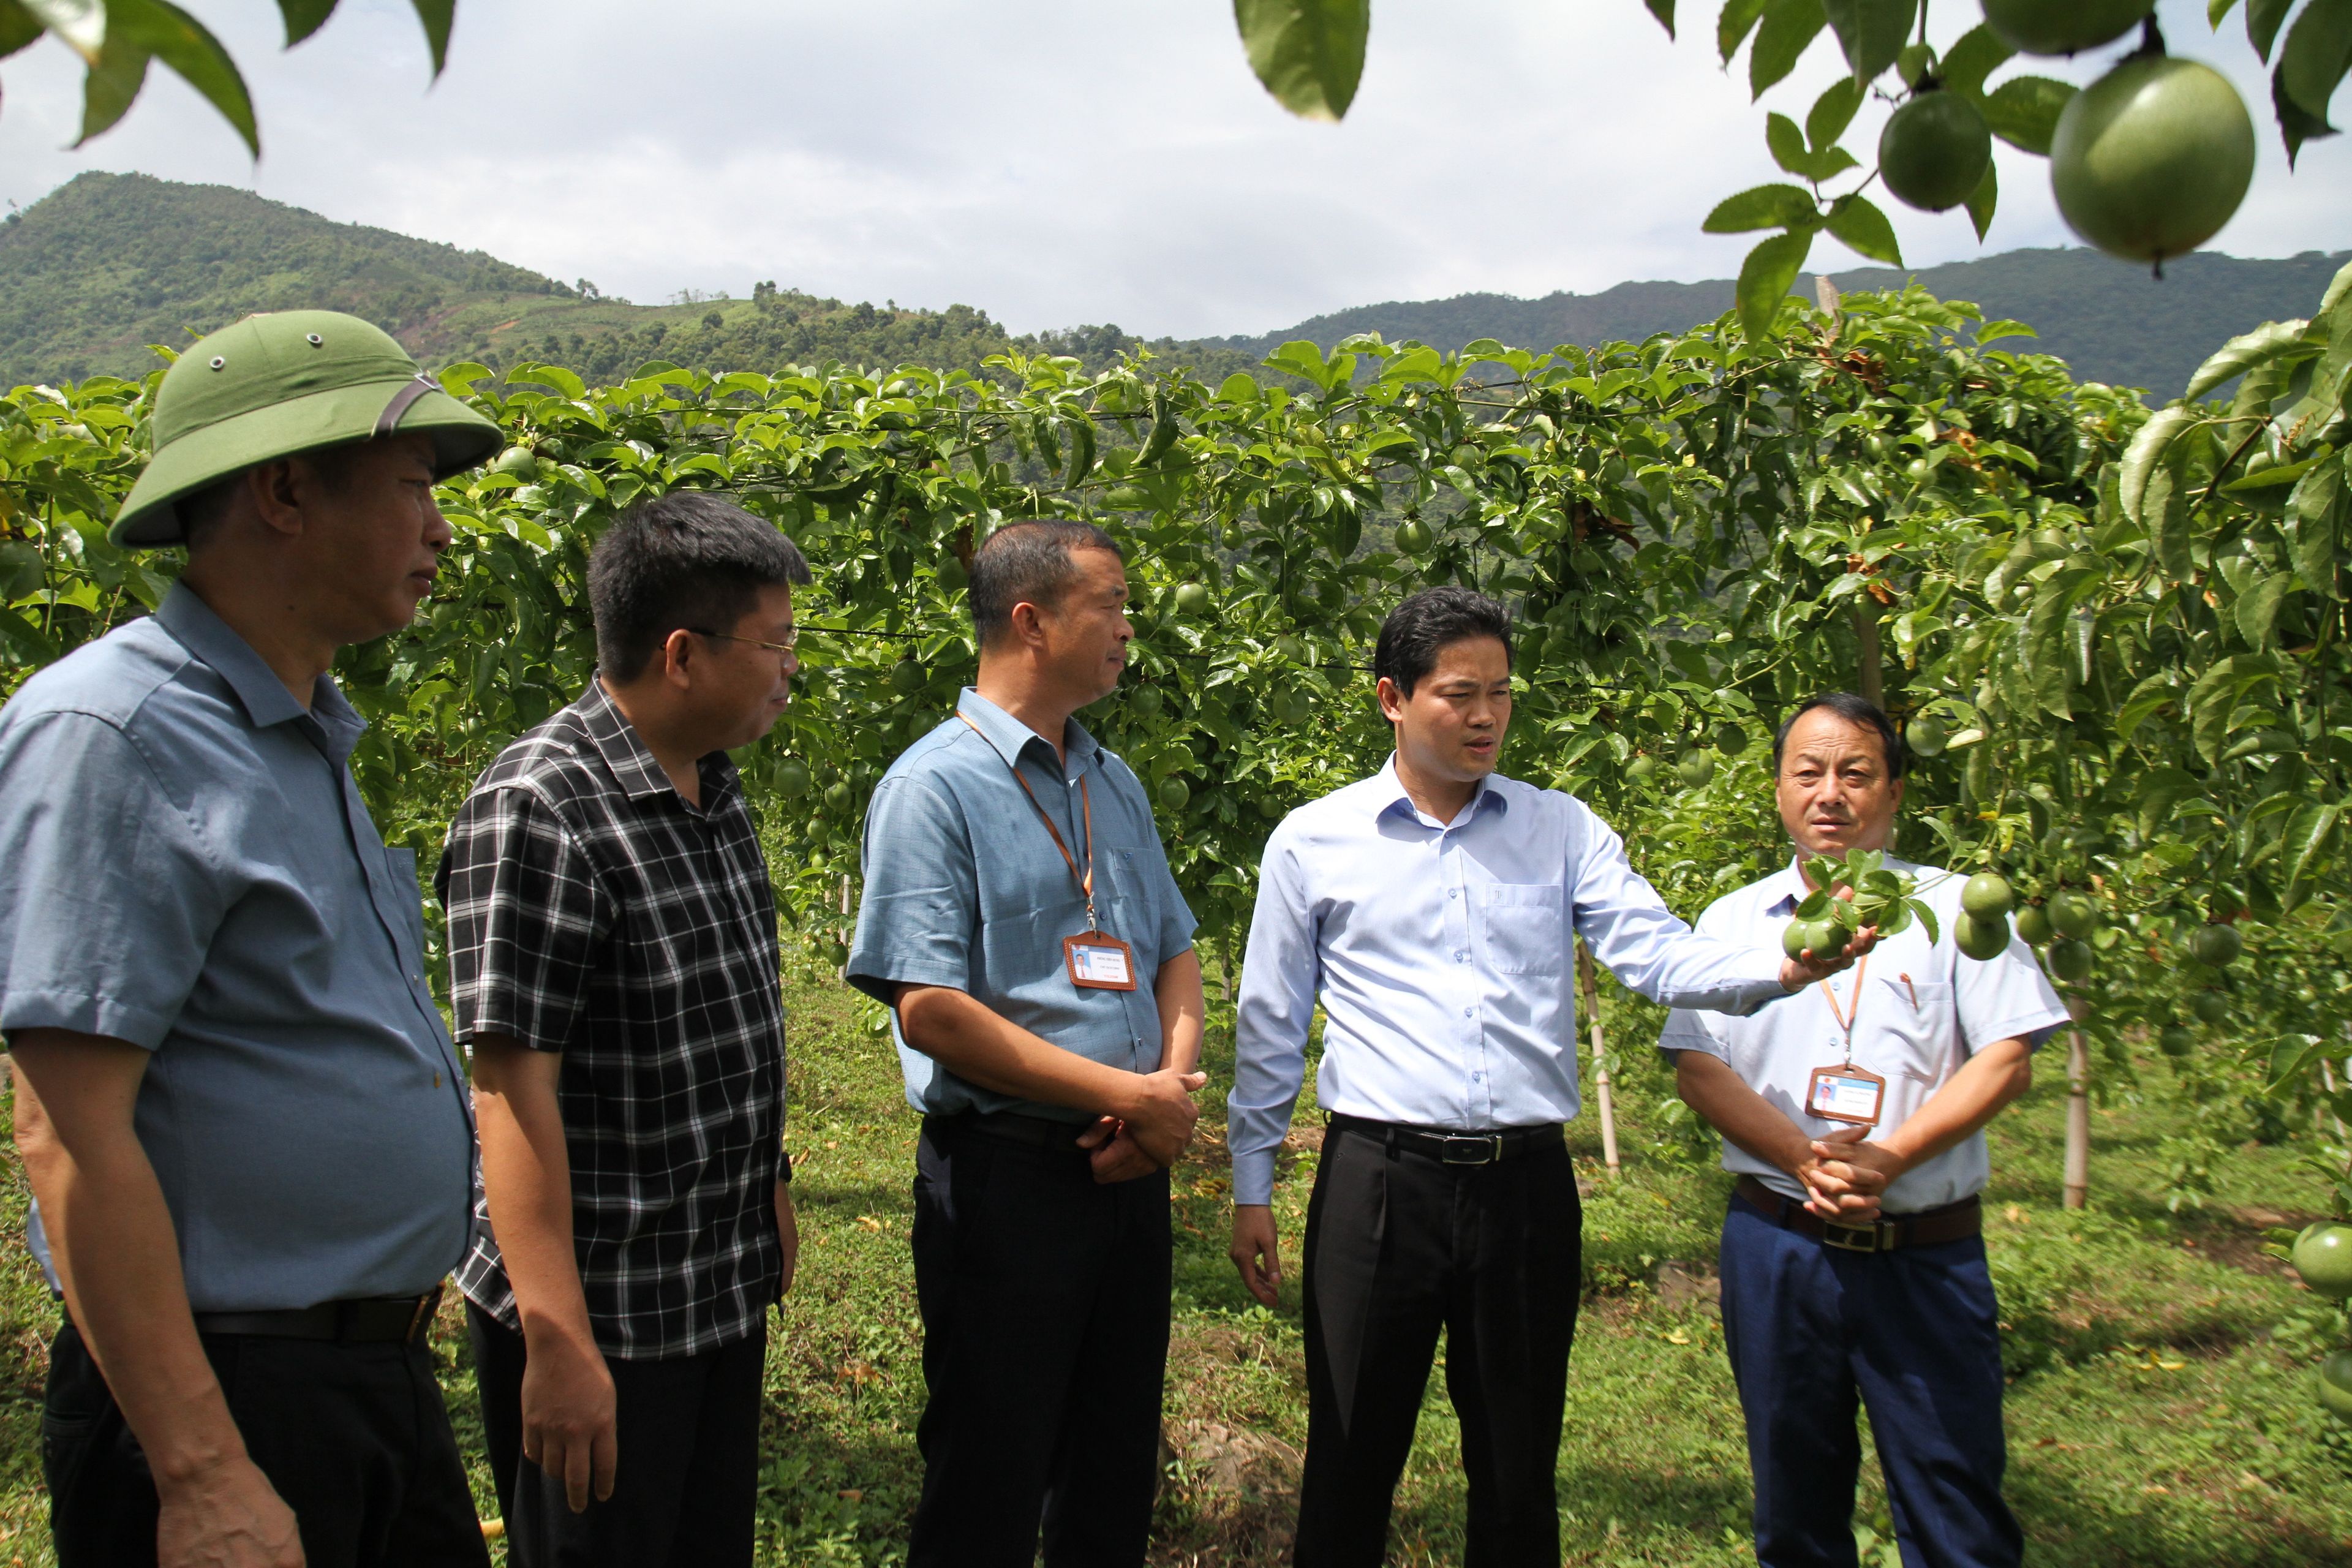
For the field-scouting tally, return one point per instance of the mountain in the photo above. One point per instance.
(2110, 321)
(107, 264)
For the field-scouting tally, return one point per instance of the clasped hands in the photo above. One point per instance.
(1845, 1175)
(1151, 1130)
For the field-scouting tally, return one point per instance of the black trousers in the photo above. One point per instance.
(354, 1437)
(687, 1483)
(1398, 1245)
(1045, 1303)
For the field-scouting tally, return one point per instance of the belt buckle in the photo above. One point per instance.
(1484, 1149)
(1840, 1236)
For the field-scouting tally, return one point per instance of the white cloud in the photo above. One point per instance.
(1050, 161)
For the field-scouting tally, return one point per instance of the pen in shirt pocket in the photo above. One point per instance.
(1907, 986)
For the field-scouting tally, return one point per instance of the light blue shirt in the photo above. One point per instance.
(1443, 953)
(186, 865)
(965, 888)
(1925, 1011)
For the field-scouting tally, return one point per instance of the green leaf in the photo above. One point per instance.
(2217, 9)
(436, 16)
(2317, 52)
(1790, 27)
(2146, 449)
(1832, 112)
(111, 86)
(1927, 914)
(1971, 58)
(1309, 54)
(1663, 10)
(2315, 508)
(2159, 791)
(1733, 25)
(2256, 610)
(2296, 124)
(140, 30)
(2241, 353)
(1763, 207)
(1982, 202)
(2310, 833)
(1865, 229)
(18, 27)
(2164, 513)
(1765, 277)
(2262, 19)
(1871, 32)
(304, 17)
(1789, 151)
(80, 24)
(2023, 111)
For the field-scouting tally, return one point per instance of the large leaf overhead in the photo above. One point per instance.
(1309, 54)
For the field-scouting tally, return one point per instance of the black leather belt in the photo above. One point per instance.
(1453, 1148)
(1925, 1229)
(1012, 1127)
(380, 1319)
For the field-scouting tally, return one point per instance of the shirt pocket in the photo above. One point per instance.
(1522, 927)
(1913, 1029)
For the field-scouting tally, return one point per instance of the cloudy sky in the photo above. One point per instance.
(1052, 162)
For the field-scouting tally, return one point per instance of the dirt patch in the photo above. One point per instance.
(1682, 1286)
(1228, 1496)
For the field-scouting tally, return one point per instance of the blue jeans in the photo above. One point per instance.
(1913, 1333)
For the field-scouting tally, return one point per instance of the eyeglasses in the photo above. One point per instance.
(792, 637)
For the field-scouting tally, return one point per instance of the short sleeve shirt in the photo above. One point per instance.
(186, 865)
(964, 888)
(595, 912)
(1923, 1009)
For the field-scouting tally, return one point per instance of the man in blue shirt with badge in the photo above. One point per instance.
(1853, 1257)
(1020, 921)
(1432, 908)
(240, 1113)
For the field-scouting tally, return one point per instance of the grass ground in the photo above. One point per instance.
(2160, 1412)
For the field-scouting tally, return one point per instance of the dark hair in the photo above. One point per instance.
(1028, 562)
(1859, 711)
(1429, 621)
(685, 560)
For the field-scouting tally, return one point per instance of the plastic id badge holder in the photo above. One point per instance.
(1100, 961)
(1846, 1093)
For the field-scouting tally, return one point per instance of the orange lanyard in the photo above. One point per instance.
(1845, 1019)
(1087, 881)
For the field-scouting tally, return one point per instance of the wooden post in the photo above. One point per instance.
(843, 973)
(1590, 990)
(2078, 1115)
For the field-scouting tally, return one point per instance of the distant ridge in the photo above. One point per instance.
(2108, 320)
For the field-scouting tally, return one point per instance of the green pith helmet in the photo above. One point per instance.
(274, 386)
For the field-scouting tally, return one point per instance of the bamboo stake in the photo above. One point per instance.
(2078, 1115)
(1590, 988)
(843, 973)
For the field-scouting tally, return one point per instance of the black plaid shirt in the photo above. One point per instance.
(592, 911)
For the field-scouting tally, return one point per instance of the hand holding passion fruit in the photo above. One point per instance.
(1860, 893)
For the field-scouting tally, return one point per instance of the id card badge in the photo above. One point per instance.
(1846, 1093)
(1100, 961)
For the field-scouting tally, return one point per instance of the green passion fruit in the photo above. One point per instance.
(1174, 794)
(1925, 738)
(1290, 647)
(1697, 769)
(789, 777)
(2210, 1006)
(2176, 1040)
(906, 677)
(1981, 937)
(2033, 925)
(2070, 960)
(2216, 946)
(2074, 916)
(836, 796)
(2335, 1380)
(1411, 536)
(2323, 1256)
(2152, 158)
(1144, 701)
(1934, 150)
(1640, 770)
(1730, 739)
(2063, 26)
(521, 462)
(1987, 894)
(1192, 599)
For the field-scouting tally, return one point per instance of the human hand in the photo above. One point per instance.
(1257, 1251)
(1796, 973)
(1838, 1186)
(1114, 1154)
(1870, 1169)
(1160, 1113)
(569, 1427)
(788, 1234)
(225, 1516)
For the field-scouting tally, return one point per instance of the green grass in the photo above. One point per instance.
(2160, 1412)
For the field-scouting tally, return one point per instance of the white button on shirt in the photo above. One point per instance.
(1443, 955)
(1924, 1011)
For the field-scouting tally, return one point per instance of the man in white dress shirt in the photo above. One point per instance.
(1853, 1257)
(1433, 907)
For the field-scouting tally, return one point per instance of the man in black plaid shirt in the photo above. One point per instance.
(613, 969)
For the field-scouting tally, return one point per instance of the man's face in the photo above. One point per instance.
(1452, 725)
(1087, 631)
(373, 541)
(1834, 792)
(738, 687)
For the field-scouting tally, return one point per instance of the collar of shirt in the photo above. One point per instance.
(332, 722)
(635, 767)
(1390, 796)
(1014, 740)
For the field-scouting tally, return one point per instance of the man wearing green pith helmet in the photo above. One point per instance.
(242, 1118)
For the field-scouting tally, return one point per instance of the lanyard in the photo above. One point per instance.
(1845, 1019)
(1086, 882)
